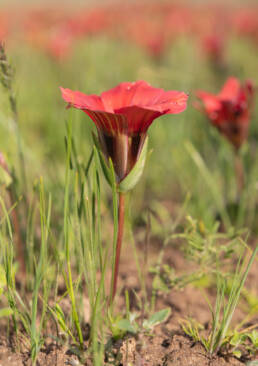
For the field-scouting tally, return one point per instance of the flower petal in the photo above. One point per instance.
(110, 123)
(211, 102)
(144, 94)
(230, 90)
(171, 102)
(139, 118)
(82, 101)
(121, 95)
(141, 94)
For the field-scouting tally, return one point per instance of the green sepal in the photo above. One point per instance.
(105, 168)
(133, 177)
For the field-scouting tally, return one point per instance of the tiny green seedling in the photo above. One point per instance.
(244, 340)
(134, 325)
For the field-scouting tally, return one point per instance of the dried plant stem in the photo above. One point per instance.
(239, 173)
(17, 231)
(121, 216)
(7, 76)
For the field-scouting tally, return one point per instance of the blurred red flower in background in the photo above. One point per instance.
(213, 45)
(3, 27)
(60, 43)
(49, 31)
(229, 111)
(148, 34)
(91, 22)
(123, 115)
(178, 21)
(245, 22)
(153, 25)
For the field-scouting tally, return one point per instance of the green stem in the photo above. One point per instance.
(121, 215)
(18, 236)
(239, 173)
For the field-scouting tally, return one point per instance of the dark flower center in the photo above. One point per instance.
(123, 150)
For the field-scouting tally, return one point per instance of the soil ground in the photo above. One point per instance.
(168, 345)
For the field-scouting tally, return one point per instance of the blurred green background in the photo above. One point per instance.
(99, 62)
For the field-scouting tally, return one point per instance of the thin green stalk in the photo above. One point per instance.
(121, 217)
(212, 184)
(239, 175)
(93, 257)
(115, 229)
(218, 306)
(96, 322)
(30, 234)
(40, 271)
(7, 79)
(17, 231)
(233, 300)
(68, 278)
(220, 327)
(9, 270)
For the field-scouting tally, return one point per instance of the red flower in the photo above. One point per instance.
(59, 43)
(149, 34)
(122, 116)
(245, 22)
(229, 111)
(213, 45)
(3, 26)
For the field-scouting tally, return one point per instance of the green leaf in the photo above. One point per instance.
(133, 317)
(236, 339)
(5, 312)
(157, 318)
(253, 337)
(237, 353)
(5, 178)
(252, 363)
(133, 177)
(125, 325)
